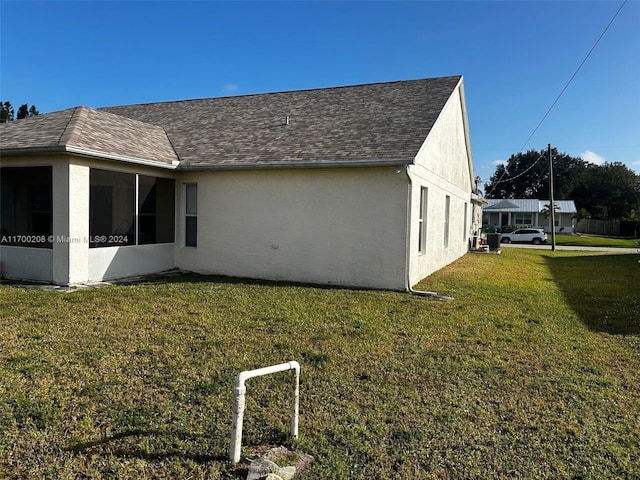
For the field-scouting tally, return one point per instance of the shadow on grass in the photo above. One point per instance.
(602, 290)
(91, 446)
(196, 278)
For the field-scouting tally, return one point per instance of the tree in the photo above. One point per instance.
(7, 113)
(526, 175)
(609, 191)
(546, 211)
(582, 213)
(25, 111)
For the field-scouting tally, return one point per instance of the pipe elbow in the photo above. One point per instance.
(293, 365)
(241, 378)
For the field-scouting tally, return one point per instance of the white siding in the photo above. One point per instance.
(342, 227)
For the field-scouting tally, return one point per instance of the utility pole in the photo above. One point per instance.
(552, 205)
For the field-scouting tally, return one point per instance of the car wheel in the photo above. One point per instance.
(537, 241)
(506, 240)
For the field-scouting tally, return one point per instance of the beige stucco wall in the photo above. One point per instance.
(335, 226)
(70, 222)
(443, 167)
(108, 263)
(327, 226)
(24, 263)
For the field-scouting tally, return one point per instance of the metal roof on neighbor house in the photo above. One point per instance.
(562, 206)
(527, 205)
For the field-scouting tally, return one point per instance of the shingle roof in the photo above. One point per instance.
(362, 124)
(84, 130)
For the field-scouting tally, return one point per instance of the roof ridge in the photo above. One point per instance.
(70, 133)
(336, 87)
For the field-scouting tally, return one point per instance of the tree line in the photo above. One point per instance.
(606, 192)
(7, 113)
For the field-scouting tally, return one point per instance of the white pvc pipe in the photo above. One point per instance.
(239, 392)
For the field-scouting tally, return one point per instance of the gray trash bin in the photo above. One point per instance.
(493, 240)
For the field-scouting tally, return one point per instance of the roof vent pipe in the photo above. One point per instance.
(286, 120)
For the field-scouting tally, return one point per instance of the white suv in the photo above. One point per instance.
(524, 235)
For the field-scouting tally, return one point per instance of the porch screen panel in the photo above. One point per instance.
(111, 208)
(26, 206)
(156, 210)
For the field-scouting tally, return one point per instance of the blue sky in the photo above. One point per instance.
(516, 57)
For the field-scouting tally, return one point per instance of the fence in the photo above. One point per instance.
(598, 227)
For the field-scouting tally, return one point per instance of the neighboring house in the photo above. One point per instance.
(361, 186)
(515, 212)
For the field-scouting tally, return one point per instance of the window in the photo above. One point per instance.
(130, 209)
(422, 221)
(464, 228)
(191, 215)
(523, 218)
(26, 202)
(447, 208)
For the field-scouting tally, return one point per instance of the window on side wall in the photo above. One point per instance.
(191, 215)
(447, 210)
(422, 221)
(464, 227)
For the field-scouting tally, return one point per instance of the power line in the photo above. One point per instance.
(574, 75)
(513, 178)
(556, 101)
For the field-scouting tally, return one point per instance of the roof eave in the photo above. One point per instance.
(394, 162)
(89, 153)
(24, 151)
(85, 152)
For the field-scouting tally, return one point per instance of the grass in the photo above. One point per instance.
(582, 240)
(531, 372)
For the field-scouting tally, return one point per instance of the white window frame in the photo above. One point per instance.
(447, 212)
(465, 226)
(422, 221)
(190, 212)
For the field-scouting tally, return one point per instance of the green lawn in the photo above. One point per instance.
(531, 372)
(583, 240)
